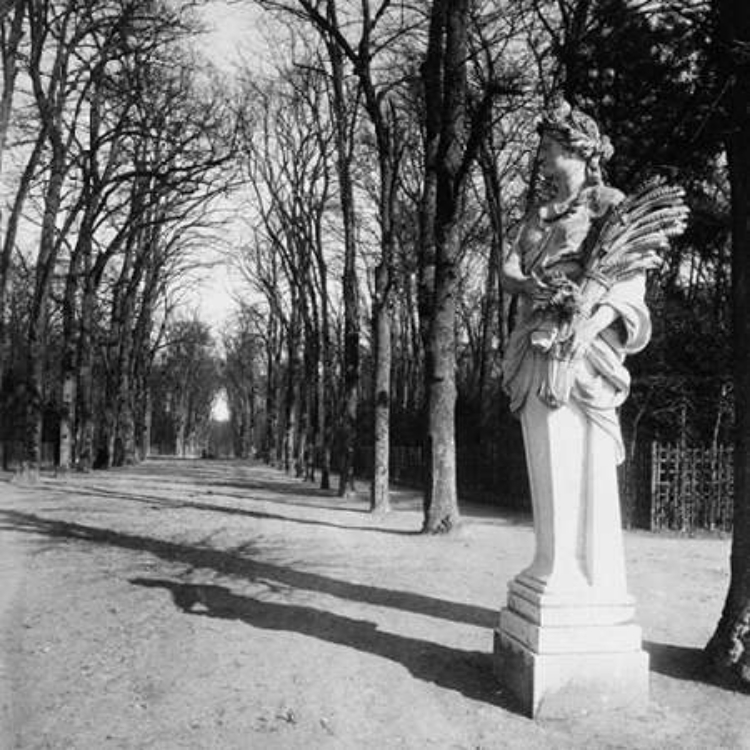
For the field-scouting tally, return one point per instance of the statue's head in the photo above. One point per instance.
(567, 130)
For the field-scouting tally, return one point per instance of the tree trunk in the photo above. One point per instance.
(10, 70)
(142, 364)
(180, 430)
(350, 288)
(290, 400)
(9, 241)
(69, 369)
(30, 464)
(67, 409)
(445, 85)
(144, 426)
(432, 78)
(728, 651)
(324, 424)
(85, 441)
(252, 418)
(299, 434)
(351, 372)
(270, 441)
(37, 328)
(325, 390)
(128, 355)
(379, 497)
(492, 317)
(125, 453)
(312, 408)
(113, 386)
(442, 510)
(325, 384)
(119, 417)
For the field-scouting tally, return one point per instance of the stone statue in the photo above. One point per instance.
(578, 266)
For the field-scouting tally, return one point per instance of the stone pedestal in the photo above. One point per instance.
(567, 642)
(566, 653)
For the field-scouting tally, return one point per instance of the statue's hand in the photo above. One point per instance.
(581, 337)
(584, 332)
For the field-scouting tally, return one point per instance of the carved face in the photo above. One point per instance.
(556, 160)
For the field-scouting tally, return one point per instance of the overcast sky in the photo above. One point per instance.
(235, 31)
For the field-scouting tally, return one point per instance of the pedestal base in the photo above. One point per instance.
(561, 658)
(564, 685)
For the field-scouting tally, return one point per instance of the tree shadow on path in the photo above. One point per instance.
(686, 663)
(246, 477)
(468, 672)
(234, 563)
(157, 502)
(247, 481)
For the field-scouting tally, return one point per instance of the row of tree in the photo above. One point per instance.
(116, 145)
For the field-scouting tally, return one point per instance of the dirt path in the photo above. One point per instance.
(216, 605)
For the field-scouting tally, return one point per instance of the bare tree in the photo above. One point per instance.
(11, 32)
(289, 169)
(384, 117)
(54, 91)
(454, 132)
(344, 118)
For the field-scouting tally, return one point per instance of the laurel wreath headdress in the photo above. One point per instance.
(575, 130)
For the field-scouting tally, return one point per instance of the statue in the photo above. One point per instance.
(578, 266)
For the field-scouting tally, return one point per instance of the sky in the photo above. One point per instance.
(233, 36)
(235, 32)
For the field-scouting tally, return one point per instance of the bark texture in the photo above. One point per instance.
(728, 651)
(350, 286)
(444, 75)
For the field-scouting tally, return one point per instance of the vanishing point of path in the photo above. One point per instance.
(222, 605)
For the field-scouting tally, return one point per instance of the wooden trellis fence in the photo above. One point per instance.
(691, 488)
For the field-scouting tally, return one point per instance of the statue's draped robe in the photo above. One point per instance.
(572, 450)
(601, 381)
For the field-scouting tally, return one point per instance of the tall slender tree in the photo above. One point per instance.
(344, 118)
(382, 112)
(454, 133)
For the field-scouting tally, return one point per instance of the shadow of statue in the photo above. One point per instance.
(468, 672)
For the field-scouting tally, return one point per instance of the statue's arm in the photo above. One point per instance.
(515, 281)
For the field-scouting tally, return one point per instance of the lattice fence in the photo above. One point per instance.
(691, 488)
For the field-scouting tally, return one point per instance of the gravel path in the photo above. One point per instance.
(217, 604)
